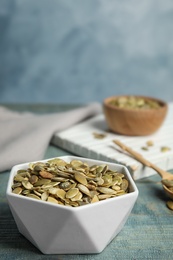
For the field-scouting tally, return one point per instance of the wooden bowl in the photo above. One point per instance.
(134, 121)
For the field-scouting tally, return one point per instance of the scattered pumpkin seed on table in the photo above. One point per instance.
(165, 149)
(99, 135)
(149, 143)
(73, 183)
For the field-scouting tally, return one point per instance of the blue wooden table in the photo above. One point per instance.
(147, 234)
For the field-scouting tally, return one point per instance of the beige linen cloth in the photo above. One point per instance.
(25, 136)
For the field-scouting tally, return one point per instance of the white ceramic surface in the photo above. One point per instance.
(57, 229)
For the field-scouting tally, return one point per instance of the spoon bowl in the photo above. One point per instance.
(163, 174)
(168, 192)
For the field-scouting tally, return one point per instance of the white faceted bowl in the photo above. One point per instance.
(58, 229)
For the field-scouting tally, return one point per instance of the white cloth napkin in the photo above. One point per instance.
(25, 136)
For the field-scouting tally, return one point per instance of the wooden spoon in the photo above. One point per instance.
(165, 175)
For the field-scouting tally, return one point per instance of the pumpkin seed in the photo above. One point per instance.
(167, 183)
(106, 190)
(104, 196)
(124, 185)
(42, 182)
(149, 143)
(76, 163)
(58, 162)
(27, 185)
(84, 189)
(33, 196)
(33, 179)
(95, 199)
(77, 197)
(44, 196)
(52, 200)
(80, 178)
(46, 175)
(170, 204)
(19, 178)
(17, 190)
(165, 149)
(71, 193)
(99, 135)
(61, 194)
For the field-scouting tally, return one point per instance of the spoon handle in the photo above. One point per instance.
(141, 159)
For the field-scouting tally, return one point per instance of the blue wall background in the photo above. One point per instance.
(59, 51)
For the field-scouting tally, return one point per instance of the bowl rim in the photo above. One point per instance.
(163, 103)
(134, 192)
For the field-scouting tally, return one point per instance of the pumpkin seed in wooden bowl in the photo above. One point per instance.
(134, 115)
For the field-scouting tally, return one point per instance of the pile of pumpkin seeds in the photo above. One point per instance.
(133, 102)
(73, 183)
